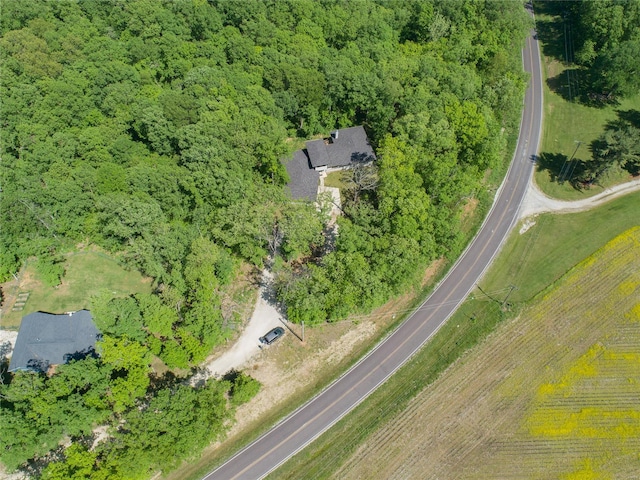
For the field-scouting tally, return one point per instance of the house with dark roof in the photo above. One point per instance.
(343, 149)
(46, 339)
(303, 179)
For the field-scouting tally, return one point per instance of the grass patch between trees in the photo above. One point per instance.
(335, 179)
(87, 272)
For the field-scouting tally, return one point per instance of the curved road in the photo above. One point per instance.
(312, 419)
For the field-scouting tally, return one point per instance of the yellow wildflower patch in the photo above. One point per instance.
(590, 404)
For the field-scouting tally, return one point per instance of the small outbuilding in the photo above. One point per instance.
(45, 340)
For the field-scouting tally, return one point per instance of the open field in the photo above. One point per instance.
(552, 393)
(87, 272)
(568, 122)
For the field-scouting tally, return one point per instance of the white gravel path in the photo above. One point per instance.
(536, 202)
(7, 343)
(265, 317)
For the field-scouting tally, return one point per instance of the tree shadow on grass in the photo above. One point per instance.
(630, 116)
(556, 30)
(551, 31)
(578, 85)
(552, 163)
(574, 85)
(561, 170)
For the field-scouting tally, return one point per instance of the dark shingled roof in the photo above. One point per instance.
(350, 146)
(303, 183)
(45, 339)
(317, 151)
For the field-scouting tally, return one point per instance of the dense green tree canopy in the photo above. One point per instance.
(608, 43)
(143, 126)
(157, 130)
(138, 124)
(618, 148)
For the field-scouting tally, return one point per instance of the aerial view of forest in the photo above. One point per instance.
(158, 132)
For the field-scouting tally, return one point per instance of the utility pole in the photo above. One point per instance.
(512, 288)
(303, 331)
(574, 165)
(564, 171)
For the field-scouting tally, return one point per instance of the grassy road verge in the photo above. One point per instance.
(387, 317)
(550, 394)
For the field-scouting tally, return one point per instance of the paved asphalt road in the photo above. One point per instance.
(308, 422)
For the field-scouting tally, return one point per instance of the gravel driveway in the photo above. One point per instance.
(536, 202)
(265, 317)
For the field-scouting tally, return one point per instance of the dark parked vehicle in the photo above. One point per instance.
(272, 336)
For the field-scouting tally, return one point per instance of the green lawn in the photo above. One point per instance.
(532, 262)
(334, 179)
(87, 272)
(568, 122)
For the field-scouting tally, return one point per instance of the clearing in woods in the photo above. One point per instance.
(553, 393)
(87, 272)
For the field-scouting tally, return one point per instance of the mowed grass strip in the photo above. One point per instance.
(545, 262)
(551, 394)
(86, 273)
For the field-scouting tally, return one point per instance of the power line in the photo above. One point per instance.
(487, 295)
(565, 171)
(395, 312)
(574, 71)
(566, 54)
(575, 162)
